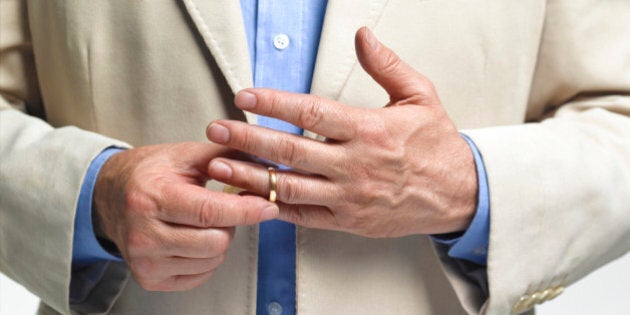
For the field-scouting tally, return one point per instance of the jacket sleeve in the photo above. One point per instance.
(41, 171)
(560, 184)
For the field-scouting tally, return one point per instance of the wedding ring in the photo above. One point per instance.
(273, 184)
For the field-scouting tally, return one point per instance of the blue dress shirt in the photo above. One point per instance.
(85, 246)
(283, 38)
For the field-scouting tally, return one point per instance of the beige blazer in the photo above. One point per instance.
(542, 87)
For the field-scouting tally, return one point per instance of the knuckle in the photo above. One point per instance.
(209, 215)
(136, 202)
(291, 190)
(286, 151)
(391, 63)
(248, 212)
(245, 140)
(426, 92)
(145, 266)
(373, 129)
(275, 101)
(311, 113)
(138, 243)
(246, 216)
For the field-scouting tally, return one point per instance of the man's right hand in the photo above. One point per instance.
(172, 231)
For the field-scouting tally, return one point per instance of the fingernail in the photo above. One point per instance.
(245, 100)
(371, 39)
(218, 133)
(271, 212)
(221, 169)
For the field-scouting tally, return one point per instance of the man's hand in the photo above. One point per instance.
(172, 232)
(399, 170)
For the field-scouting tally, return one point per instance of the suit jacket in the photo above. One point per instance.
(542, 87)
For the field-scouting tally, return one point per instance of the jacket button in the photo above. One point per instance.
(529, 303)
(545, 295)
(556, 291)
(519, 306)
(538, 297)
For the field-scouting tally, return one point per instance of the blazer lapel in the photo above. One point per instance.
(221, 26)
(336, 57)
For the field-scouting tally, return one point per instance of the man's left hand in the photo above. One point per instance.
(394, 171)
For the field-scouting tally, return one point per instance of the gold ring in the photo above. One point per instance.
(273, 184)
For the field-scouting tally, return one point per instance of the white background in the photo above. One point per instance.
(604, 292)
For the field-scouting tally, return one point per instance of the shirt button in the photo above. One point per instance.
(281, 41)
(274, 308)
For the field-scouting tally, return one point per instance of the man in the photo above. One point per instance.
(156, 73)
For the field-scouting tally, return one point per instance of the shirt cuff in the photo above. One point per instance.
(472, 244)
(86, 249)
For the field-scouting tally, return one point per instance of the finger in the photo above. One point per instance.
(325, 117)
(181, 266)
(399, 79)
(191, 242)
(182, 282)
(298, 152)
(198, 154)
(291, 188)
(196, 206)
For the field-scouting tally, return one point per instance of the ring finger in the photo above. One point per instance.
(291, 188)
(292, 150)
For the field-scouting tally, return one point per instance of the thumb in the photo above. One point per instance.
(398, 79)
